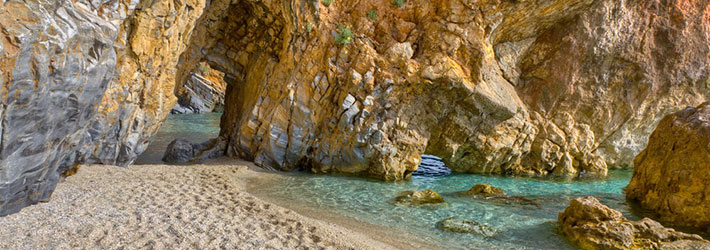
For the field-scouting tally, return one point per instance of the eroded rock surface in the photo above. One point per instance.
(202, 92)
(416, 198)
(592, 225)
(183, 151)
(485, 190)
(672, 175)
(465, 226)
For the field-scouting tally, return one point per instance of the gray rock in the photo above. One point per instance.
(182, 151)
(465, 226)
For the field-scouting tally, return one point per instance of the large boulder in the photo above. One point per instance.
(672, 175)
(183, 151)
(591, 225)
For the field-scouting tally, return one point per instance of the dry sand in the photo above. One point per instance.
(171, 207)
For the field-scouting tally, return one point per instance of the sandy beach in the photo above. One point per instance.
(171, 207)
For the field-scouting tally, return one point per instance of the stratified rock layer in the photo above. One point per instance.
(672, 175)
(202, 92)
(592, 225)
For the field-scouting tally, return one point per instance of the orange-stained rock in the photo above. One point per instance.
(672, 175)
(591, 225)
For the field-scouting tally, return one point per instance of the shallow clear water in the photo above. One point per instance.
(517, 226)
(195, 128)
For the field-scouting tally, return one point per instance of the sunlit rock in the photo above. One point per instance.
(485, 190)
(592, 225)
(416, 198)
(672, 175)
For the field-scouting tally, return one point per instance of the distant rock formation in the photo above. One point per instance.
(672, 175)
(592, 225)
(202, 92)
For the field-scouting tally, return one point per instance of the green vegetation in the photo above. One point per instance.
(344, 36)
(309, 27)
(399, 3)
(327, 2)
(372, 15)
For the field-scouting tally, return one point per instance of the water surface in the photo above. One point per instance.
(195, 128)
(518, 226)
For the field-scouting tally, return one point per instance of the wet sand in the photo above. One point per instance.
(176, 207)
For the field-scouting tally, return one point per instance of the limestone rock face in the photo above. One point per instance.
(592, 225)
(202, 92)
(672, 175)
(82, 81)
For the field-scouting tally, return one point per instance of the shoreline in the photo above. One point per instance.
(174, 206)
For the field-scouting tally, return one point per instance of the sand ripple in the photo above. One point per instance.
(168, 207)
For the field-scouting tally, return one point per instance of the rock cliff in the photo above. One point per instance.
(562, 87)
(672, 175)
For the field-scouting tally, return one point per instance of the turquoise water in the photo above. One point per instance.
(195, 128)
(517, 226)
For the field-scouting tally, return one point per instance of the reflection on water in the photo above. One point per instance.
(518, 226)
(195, 128)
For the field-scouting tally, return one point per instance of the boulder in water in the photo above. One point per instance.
(414, 198)
(592, 225)
(485, 190)
(672, 175)
(182, 151)
(465, 226)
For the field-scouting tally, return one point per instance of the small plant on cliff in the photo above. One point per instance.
(344, 36)
(372, 15)
(309, 27)
(327, 2)
(399, 3)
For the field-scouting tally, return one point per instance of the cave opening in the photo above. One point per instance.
(189, 133)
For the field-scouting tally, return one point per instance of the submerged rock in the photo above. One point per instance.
(496, 195)
(592, 225)
(485, 190)
(182, 151)
(672, 175)
(465, 226)
(415, 198)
